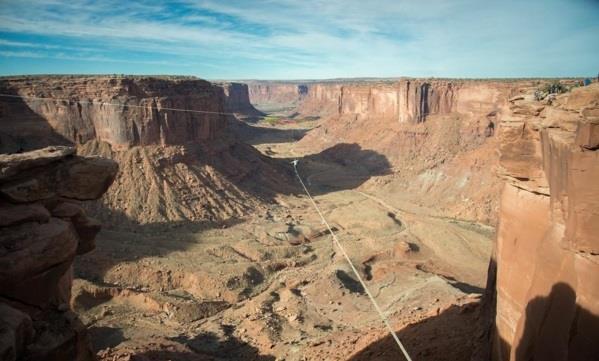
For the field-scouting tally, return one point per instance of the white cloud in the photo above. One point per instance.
(310, 38)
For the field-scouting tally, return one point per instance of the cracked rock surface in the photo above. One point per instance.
(42, 229)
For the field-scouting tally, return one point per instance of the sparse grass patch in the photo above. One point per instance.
(271, 119)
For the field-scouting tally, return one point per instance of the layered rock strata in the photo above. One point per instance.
(237, 100)
(123, 112)
(547, 244)
(179, 162)
(438, 135)
(265, 93)
(404, 100)
(42, 228)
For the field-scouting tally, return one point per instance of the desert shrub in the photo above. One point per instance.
(554, 87)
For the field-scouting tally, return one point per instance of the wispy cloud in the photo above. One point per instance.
(310, 38)
(101, 59)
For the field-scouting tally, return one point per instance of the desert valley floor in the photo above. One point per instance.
(273, 283)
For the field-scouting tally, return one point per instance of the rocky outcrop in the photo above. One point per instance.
(42, 228)
(547, 244)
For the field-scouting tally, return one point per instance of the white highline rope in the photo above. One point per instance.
(112, 104)
(376, 306)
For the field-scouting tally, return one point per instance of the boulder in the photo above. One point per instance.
(13, 164)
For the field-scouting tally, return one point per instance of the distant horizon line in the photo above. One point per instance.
(298, 80)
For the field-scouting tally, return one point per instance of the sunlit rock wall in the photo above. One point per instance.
(548, 243)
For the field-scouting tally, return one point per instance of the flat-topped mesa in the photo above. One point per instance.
(123, 112)
(547, 245)
(42, 228)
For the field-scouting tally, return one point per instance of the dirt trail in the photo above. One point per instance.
(272, 286)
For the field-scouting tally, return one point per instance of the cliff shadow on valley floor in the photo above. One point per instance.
(449, 336)
(342, 166)
(132, 242)
(256, 135)
(223, 348)
(203, 347)
(553, 328)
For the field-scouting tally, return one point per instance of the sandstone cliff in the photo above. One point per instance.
(265, 93)
(405, 100)
(176, 166)
(237, 100)
(42, 229)
(437, 134)
(547, 244)
(123, 112)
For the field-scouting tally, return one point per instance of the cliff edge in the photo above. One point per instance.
(547, 245)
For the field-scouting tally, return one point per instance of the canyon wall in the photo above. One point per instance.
(175, 166)
(123, 112)
(405, 100)
(437, 134)
(237, 100)
(42, 229)
(271, 92)
(547, 244)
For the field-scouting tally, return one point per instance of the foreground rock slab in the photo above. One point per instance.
(42, 229)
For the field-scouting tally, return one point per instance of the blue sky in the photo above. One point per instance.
(302, 39)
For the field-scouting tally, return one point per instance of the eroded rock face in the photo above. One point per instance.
(175, 166)
(547, 244)
(405, 100)
(438, 134)
(90, 108)
(237, 99)
(264, 92)
(42, 229)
